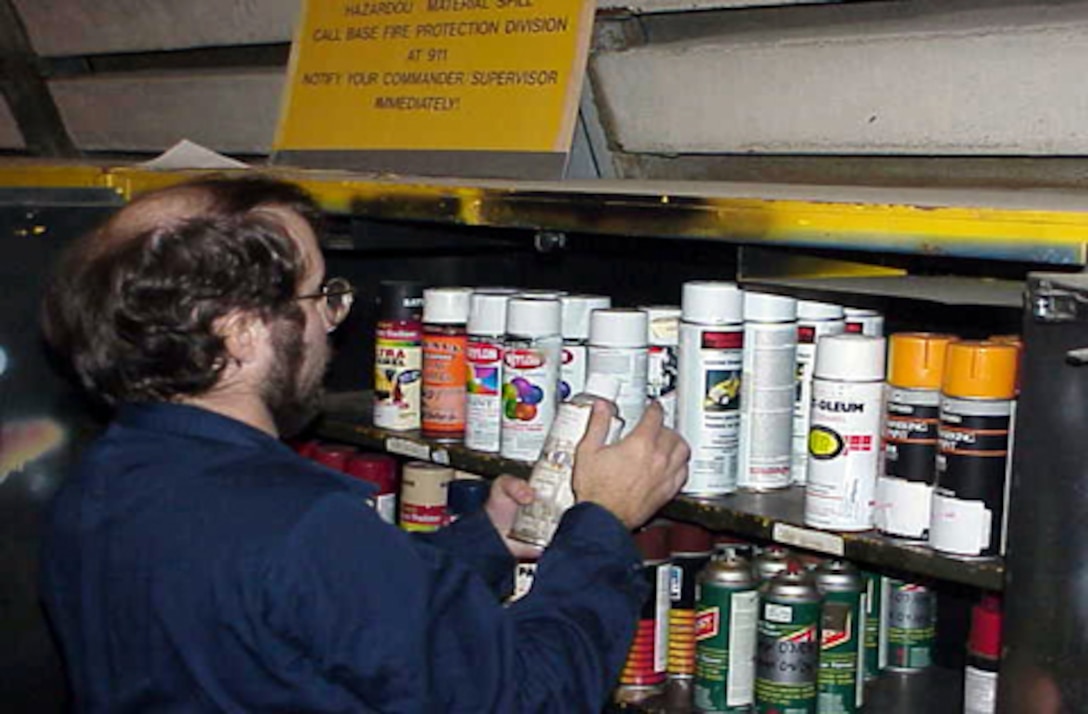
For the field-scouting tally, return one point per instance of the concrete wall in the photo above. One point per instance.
(10, 137)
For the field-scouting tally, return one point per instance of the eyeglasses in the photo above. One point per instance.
(336, 296)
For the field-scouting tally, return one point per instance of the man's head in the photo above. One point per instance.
(184, 286)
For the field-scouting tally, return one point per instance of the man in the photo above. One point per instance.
(196, 564)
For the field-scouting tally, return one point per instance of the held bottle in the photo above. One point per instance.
(551, 476)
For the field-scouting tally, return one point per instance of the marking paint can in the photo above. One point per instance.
(844, 435)
(978, 408)
(398, 355)
(576, 310)
(904, 491)
(908, 625)
(841, 679)
(863, 321)
(787, 644)
(727, 603)
(530, 377)
(484, 351)
(663, 336)
(617, 346)
(814, 320)
(423, 489)
(768, 387)
(711, 362)
(445, 341)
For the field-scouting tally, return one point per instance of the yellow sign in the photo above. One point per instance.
(463, 75)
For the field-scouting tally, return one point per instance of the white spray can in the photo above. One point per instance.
(572, 369)
(863, 321)
(551, 477)
(844, 434)
(486, 331)
(768, 389)
(617, 346)
(530, 376)
(814, 320)
(708, 395)
(663, 336)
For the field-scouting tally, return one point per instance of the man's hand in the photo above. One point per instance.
(636, 476)
(507, 493)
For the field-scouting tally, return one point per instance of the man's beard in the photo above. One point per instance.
(294, 389)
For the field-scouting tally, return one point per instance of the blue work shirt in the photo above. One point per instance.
(197, 564)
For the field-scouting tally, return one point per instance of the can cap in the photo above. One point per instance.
(466, 496)
(712, 302)
(765, 307)
(986, 628)
(916, 359)
(653, 541)
(576, 310)
(605, 386)
(815, 310)
(487, 313)
(542, 294)
(689, 538)
(335, 456)
(663, 325)
(618, 327)
(446, 306)
(854, 358)
(532, 317)
(378, 469)
(400, 300)
(980, 369)
(860, 312)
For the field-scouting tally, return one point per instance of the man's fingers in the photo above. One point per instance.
(649, 427)
(600, 420)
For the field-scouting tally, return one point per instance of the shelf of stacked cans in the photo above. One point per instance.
(808, 428)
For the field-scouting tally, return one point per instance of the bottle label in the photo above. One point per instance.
(444, 367)
(484, 400)
(398, 361)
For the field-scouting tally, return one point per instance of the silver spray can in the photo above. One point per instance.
(572, 368)
(617, 346)
(530, 376)
(863, 321)
(486, 330)
(768, 386)
(663, 336)
(708, 396)
(814, 320)
(551, 476)
(844, 435)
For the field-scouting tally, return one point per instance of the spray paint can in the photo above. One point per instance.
(663, 336)
(486, 332)
(978, 406)
(398, 355)
(983, 658)
(689, 551)
(844, 436)
(575, 328)
(445, 341)
(335, 456)
(617, 346)
(729, 545)
(787, 644)
(728, 609)
(768, 388)
(380, 470)
(814, 320)
(530, 376)
(841, 679)
(708, 395)
(537, 522)
(771, 561)
(873, 602)
(904, 491)
(465, 496)
(862, 321)
(645, 671)
(423, 496)
(908, 625)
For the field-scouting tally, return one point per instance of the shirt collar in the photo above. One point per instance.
(188, 420)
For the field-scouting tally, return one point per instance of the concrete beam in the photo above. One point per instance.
(1005, 80)
(80, 27)
(233, 112)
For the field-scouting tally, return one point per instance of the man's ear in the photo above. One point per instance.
(244, 335)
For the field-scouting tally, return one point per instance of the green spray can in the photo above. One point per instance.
(840, 682)
(872, 625)
(725, 635)
(909, 619)
(771, 561)
(788, 644)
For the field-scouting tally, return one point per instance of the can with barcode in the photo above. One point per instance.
(787, 644)
(725, 635)
(840, 682)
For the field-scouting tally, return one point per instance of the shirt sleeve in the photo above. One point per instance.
(474, 541)
(405, 627)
